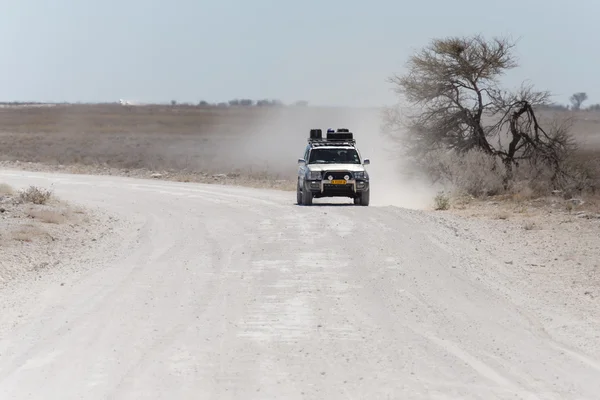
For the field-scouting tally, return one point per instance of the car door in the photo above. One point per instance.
(302, 168)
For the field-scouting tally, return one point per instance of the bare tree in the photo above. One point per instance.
(454, 86)
(577, 99)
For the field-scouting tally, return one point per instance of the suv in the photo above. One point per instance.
(332, 167)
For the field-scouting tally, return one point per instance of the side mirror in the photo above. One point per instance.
(366, 161)
(301, 161)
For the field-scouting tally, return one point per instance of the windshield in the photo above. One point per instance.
(334, 156)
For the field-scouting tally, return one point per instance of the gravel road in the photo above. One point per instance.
(211, 292)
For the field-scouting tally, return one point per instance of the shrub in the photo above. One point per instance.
(442, 201)
(35, 195)
(474, 173)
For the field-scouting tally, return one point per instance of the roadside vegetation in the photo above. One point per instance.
(34, 226)
(478, 139)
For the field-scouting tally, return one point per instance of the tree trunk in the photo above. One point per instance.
(508, 176)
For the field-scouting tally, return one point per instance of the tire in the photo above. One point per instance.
(307, 198)
(365, 198)
(357, 201)
(298, 194)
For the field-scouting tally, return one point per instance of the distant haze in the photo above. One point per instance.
(326, 52)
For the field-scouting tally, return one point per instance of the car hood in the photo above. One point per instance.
(336, 167)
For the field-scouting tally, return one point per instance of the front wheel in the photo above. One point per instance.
(363, 199)
(298, 194)
(307, 197)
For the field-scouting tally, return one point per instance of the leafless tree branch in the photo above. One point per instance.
(454, 84)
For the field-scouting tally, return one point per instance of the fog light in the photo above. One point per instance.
(360, 184)
(314, 184)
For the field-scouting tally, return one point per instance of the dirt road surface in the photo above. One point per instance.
(212, 292)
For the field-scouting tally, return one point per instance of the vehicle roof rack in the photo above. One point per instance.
(343, 137)
(331, 142)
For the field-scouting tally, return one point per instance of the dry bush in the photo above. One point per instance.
(35, 195)
(579, 175)
(441, 202)
(581, 172)
(478, 174)
(474, 173)
(535, 178)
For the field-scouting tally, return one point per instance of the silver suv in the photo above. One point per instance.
(332, 167)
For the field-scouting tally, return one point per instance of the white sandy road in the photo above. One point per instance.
(207, 292)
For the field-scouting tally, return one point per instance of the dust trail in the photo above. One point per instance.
(394, 180)
(269, 142)
(280, 139)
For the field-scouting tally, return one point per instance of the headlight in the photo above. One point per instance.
(314, 175)
(361, 175)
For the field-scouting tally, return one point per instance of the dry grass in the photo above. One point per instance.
(588, 204)
(27, 233)
(48, 216)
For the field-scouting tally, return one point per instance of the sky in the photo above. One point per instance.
(327, 52)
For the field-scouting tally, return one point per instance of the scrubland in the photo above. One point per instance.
(258, 146)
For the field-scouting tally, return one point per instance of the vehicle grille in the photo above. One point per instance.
(330, 188)
(337, 174)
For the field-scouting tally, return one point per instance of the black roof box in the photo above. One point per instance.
(340, 134)
(316, 134)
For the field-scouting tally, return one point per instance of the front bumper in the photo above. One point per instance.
(326, 188)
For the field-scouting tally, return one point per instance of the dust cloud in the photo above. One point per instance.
(274, 142)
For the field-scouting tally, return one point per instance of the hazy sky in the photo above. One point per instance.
(330, 52)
